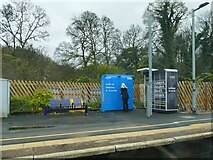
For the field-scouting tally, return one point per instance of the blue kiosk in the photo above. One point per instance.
(111, 94)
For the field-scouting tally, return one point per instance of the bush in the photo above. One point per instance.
(205, 77)
(21, 104)
(94, 105)
(139, 105)
(83, 79)
(41, 98)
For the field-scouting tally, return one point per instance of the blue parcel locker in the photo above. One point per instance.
(111, 94)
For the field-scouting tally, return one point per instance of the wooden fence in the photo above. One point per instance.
(204, 95)
(91, 92)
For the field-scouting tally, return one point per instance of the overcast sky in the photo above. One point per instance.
(122, 12)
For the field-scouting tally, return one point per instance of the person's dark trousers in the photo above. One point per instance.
(125, 105)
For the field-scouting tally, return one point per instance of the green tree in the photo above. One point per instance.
(31, 64)
(134, 53)
(131, 59)
(92, 73)
(168, 16)
(184, 54)
(204, 44)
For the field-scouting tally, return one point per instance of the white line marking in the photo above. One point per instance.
(188, 117)
(96, 131)
(175, 122)
(104, 140)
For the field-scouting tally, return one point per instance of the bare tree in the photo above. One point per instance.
(92, 26)
(133, 52)
(22, 22)
(66, 53)
(111, 40)
(133, 37)
(93, 41)
(85, 34)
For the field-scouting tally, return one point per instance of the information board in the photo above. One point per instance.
(172, 80)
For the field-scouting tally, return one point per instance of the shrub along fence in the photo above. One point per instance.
(91, 92)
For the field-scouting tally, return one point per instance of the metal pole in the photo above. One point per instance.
(193, 64)
(212, 14)
(193, 56)
(149, 87)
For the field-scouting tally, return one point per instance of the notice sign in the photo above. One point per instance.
(172, 79)
(110, 87)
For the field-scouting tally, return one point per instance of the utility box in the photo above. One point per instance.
(111, 91)
(164, 89)
(4, 97)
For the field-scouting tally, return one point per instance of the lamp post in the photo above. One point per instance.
(212, 15)
(193, 56)
(149, 87)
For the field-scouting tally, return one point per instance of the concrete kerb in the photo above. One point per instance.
(193, 136)
(76, 153)
(161, 142)
(121, 147)
(141, 145)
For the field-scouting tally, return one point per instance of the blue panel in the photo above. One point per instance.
(111, 94)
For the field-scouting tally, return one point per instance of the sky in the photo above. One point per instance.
(122, 12)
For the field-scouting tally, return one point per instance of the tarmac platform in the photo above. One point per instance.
(72, 135)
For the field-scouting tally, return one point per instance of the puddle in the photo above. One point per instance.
(27, 127)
